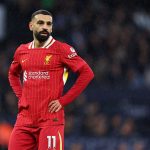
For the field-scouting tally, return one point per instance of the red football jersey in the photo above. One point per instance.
(44, 72)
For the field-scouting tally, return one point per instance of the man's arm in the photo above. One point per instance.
(14, 76)
(74, 62)
(85, 75)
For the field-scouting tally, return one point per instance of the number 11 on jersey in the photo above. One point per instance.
(51, 141)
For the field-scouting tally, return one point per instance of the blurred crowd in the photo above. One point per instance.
(113, 37)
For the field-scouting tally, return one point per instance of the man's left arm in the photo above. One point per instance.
(85, 75)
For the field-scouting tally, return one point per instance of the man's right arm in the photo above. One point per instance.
(14, 76)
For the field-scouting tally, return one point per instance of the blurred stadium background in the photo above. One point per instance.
(113, 36)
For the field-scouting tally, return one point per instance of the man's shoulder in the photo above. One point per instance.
(63, 46)
(61, 43)
(23, 47)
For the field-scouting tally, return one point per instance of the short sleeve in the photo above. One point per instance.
(70, 58)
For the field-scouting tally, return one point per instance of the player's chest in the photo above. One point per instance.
(40, 60)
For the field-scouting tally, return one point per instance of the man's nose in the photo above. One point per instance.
(45, 26)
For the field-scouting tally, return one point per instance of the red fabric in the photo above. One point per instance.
(85, 76)
(45, 138)
(14, 75)
(43, 71)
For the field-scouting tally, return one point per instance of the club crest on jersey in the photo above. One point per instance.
(47, 59)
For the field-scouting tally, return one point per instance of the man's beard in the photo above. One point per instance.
(42, 36)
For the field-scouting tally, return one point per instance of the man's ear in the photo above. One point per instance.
(31, 26)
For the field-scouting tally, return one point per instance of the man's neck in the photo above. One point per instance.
(38, 44)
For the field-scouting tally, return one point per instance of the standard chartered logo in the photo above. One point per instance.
(35, 75)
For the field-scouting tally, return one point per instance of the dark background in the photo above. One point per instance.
(113, 36)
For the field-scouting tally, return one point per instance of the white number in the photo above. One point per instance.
(51, 141)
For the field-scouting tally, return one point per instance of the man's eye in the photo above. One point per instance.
(40, 22)
(49, 23)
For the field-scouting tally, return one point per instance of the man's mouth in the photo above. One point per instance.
(44, 33)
